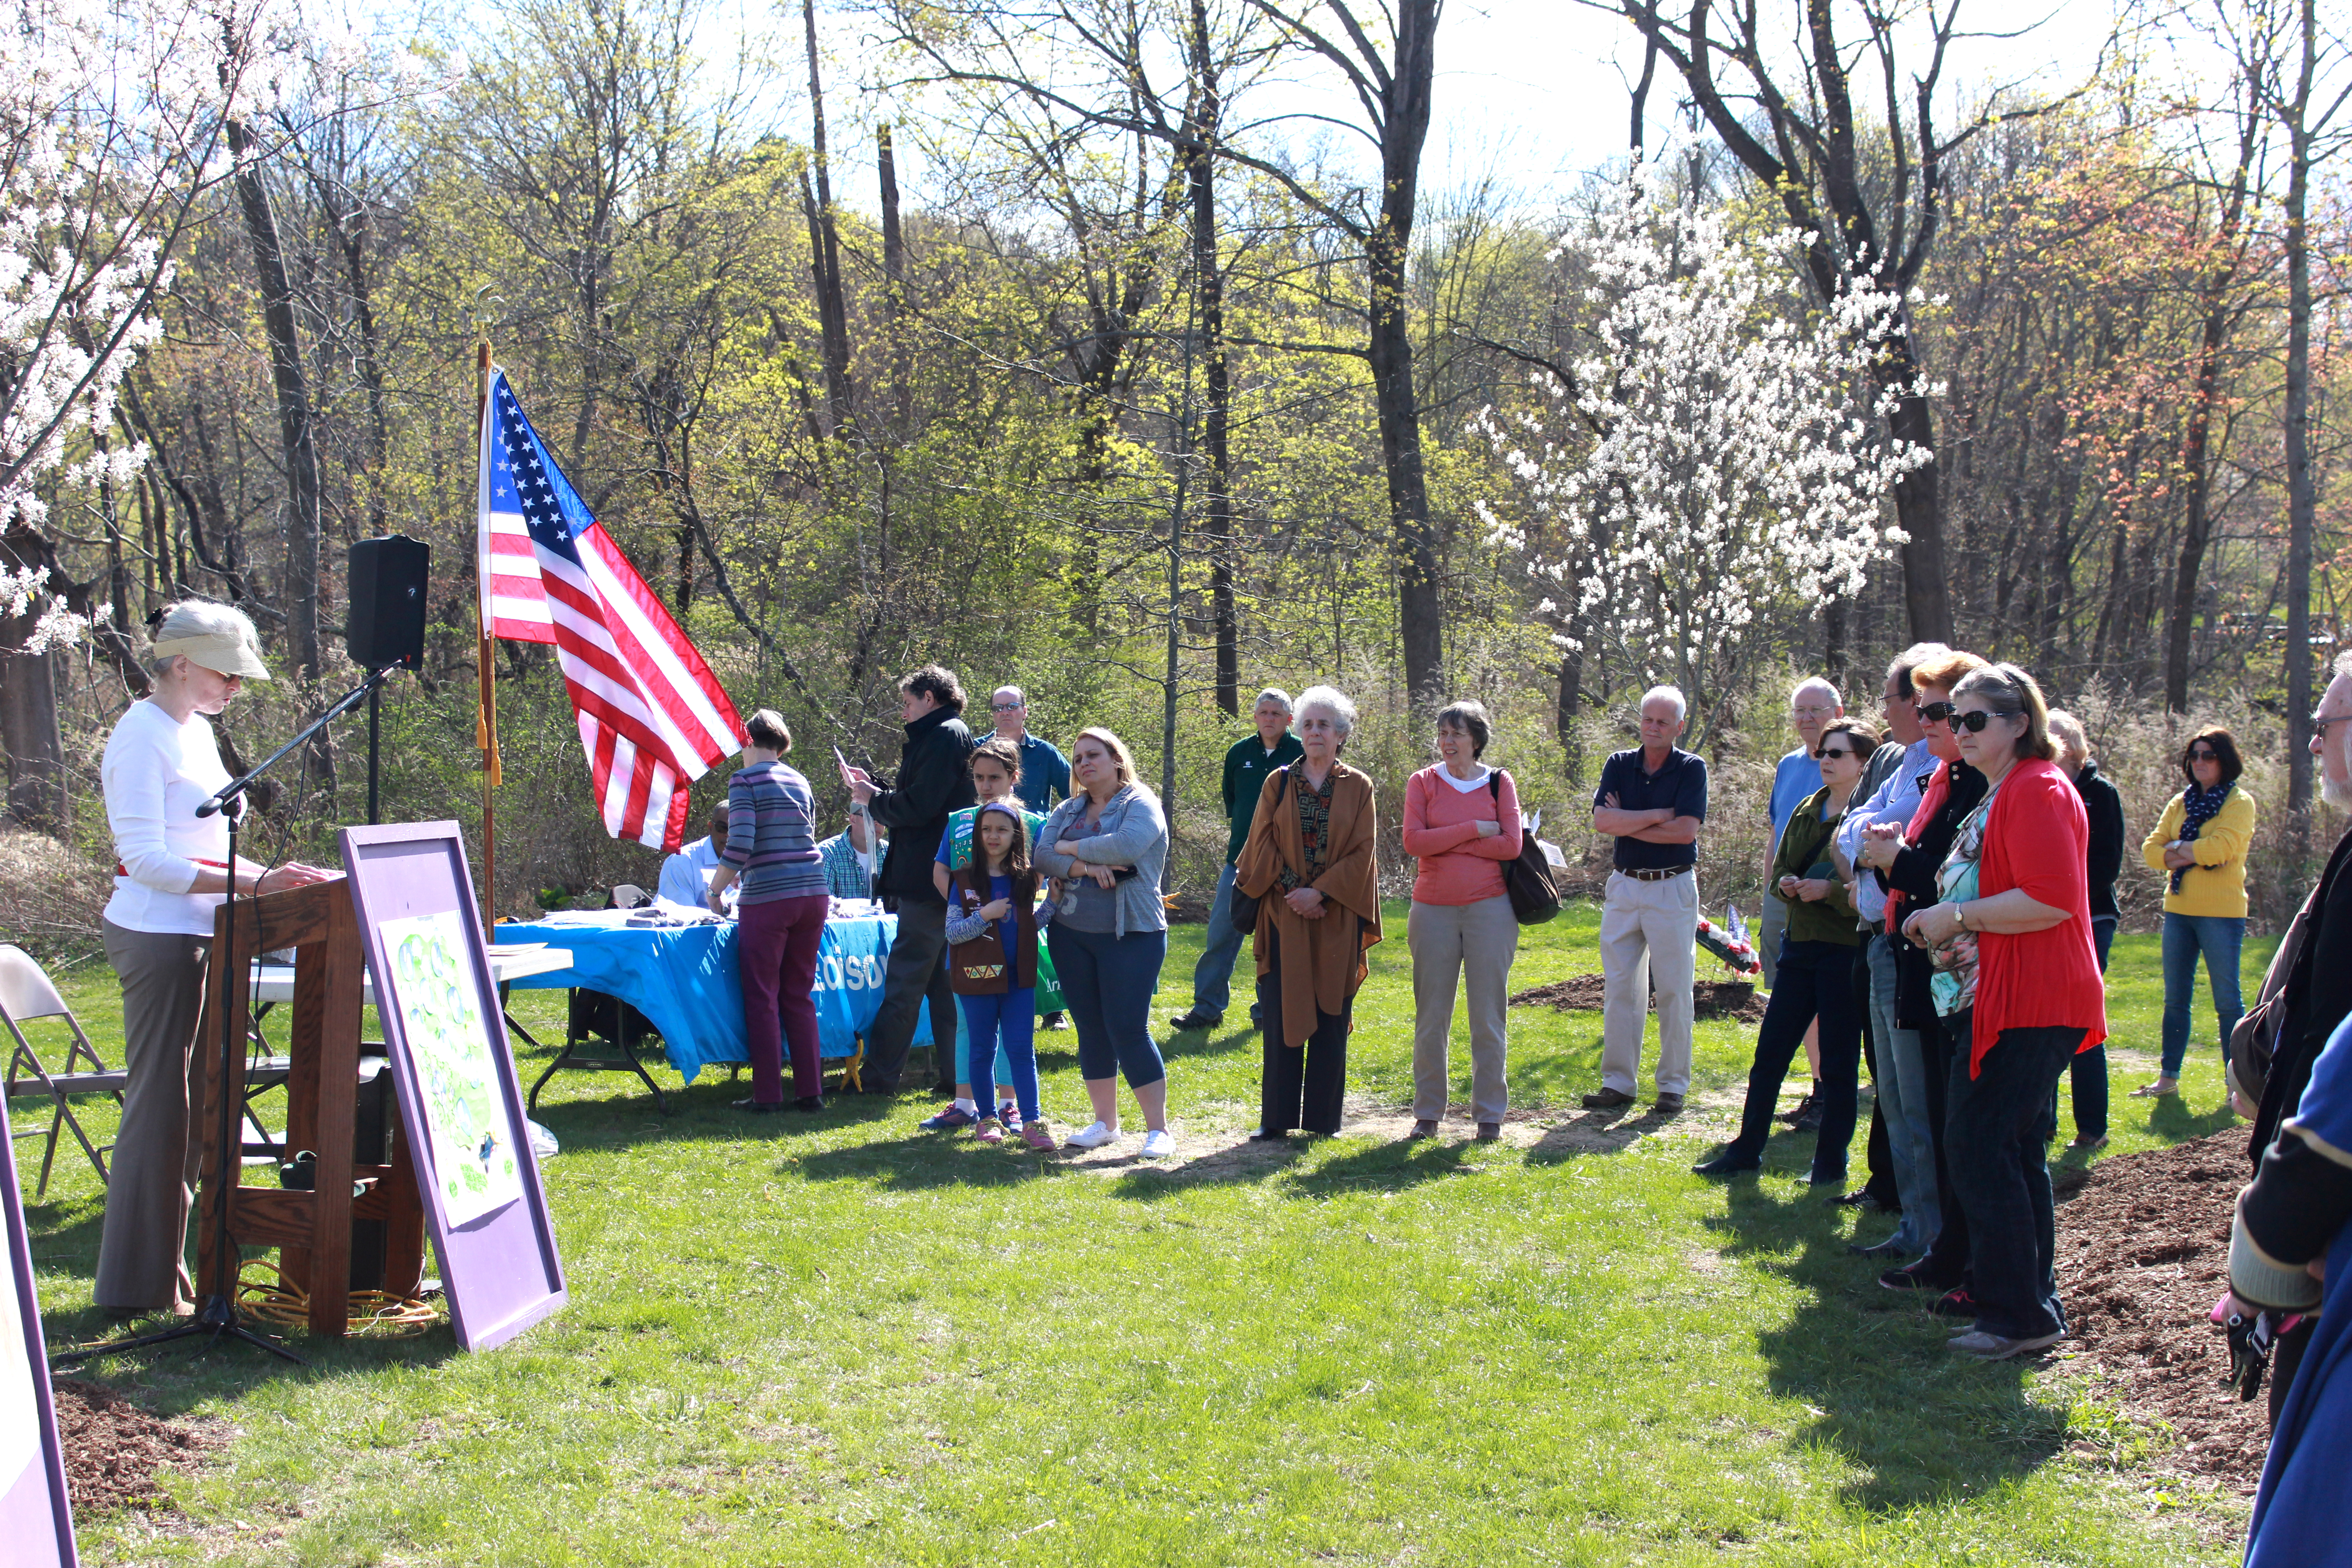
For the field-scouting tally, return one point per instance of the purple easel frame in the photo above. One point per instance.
(501, 1271)
(35, 1511)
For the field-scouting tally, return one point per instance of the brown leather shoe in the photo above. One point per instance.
(1607, 1099)
(1423, 1129)
(1489, 1132)
(1668, 1104)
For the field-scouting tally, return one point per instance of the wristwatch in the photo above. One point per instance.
(1962, 912)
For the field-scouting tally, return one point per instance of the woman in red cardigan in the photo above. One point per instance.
(2018, 984)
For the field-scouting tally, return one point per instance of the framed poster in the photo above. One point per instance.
(460, 1101)
(35, 1513)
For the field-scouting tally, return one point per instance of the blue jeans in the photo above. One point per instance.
(1996, 1132)
(1004, 1062)
(1008, 1021)
(1212, 977)
(1815, 979)
(1903, 1099)
(2218, 938)
(1108, 982)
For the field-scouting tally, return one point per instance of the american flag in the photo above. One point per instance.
(652, 716)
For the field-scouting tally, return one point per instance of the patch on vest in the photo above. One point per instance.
(982, 971)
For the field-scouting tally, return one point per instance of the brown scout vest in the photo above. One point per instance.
(977, 968)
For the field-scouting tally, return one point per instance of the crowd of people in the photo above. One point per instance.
(1941, 904)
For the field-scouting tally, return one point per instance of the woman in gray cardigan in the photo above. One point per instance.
(1108, 845)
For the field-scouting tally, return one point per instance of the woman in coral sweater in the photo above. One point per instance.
(1462, 822)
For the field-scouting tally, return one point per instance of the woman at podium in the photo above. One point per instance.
(171, 873)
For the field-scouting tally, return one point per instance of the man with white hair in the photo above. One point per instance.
(1248, 761)
(1652, 800)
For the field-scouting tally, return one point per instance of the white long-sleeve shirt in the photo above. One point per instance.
(686, 875)
(1895, 801)
(156, 773)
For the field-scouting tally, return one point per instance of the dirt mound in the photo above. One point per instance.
(1586, 992)
(2143, 1254)
(113, 1449)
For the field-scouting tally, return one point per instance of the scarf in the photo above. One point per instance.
(2199, 806)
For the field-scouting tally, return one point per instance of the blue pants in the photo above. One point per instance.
(1004, 1062)
(1108, 982)
(1006, 1023)
(1904, 1096)
(2218, 938)
(1212, 977)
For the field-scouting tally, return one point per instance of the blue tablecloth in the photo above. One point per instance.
(684, 979)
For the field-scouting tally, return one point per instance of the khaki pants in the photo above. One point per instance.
(1649, 932)
(1476, 943)
(150, 1184)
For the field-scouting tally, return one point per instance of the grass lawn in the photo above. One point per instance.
(853, 1341)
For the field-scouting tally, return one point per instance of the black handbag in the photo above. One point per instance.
(1535, 896)
(1242, 909)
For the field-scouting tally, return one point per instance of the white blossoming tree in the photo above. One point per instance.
(1717, 454)
(114, 131)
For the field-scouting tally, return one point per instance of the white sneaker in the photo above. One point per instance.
(1157, 1144)
(1094, 1136)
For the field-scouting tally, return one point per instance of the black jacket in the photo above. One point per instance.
(1914, 876)
(2318, 999)
(2104, 808)
(933, 780)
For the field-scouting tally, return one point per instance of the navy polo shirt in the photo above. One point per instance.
(1681, 784)
(1045, 774)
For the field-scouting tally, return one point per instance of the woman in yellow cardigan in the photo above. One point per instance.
(2199, 845)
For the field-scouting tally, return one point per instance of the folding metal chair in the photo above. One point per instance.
(26, 994)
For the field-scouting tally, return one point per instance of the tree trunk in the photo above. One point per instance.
(29, 700)
(1204, 123)
(296, 428)
(894, 270)
(833, 306)
(2301, 496)
(1404, 127)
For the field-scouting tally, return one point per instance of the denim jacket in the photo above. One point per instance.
(1132, 831)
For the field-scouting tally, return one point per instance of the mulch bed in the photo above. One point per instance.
(2143, 1254)
(1710, 998)
(113, 1448)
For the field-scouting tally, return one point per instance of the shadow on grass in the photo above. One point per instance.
(1923, 1424)
(174, 1379)
(2171, 1118)
(923, 1162)
(1594, 1132)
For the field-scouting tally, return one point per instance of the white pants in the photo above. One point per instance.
(1649, 930)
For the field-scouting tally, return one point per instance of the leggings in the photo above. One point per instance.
(1005, 1024)
(963, 1048)
(1108, 982)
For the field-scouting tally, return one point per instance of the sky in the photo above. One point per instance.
(1535, 92)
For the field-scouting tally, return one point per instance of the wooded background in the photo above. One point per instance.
(1142, 399)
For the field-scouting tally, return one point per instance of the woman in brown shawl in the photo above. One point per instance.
(1308, 862)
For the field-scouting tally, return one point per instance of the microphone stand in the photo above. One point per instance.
(216, 1315)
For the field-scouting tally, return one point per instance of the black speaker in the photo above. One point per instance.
(386, 624)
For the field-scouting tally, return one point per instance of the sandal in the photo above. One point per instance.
(2162, 1088)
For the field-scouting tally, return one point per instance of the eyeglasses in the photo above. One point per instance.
(1814, 710)
(2319, 725)
(1826, 752)
(1006, 706)
(1974, 723)
(1938, 712)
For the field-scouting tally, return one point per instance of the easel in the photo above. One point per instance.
(311, 1230)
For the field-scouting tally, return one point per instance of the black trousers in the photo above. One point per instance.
(1303, 1084)
(1947, 1261)
(917, 973)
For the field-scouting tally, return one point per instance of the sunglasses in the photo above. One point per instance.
(1974, 723)
(1826, 752)
(1937, 712)
(1006, 706)
(2206, 755)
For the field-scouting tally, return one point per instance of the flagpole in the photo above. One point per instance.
(485, 719)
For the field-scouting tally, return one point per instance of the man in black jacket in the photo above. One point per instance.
(2318, 991)
(934, 779)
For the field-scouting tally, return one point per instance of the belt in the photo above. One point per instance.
(1654, 873)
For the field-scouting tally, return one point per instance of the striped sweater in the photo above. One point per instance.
(769, 841)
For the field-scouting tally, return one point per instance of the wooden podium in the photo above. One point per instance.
(311, 1230)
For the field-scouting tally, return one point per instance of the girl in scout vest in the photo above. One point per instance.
(992, 953)
(995, 768)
